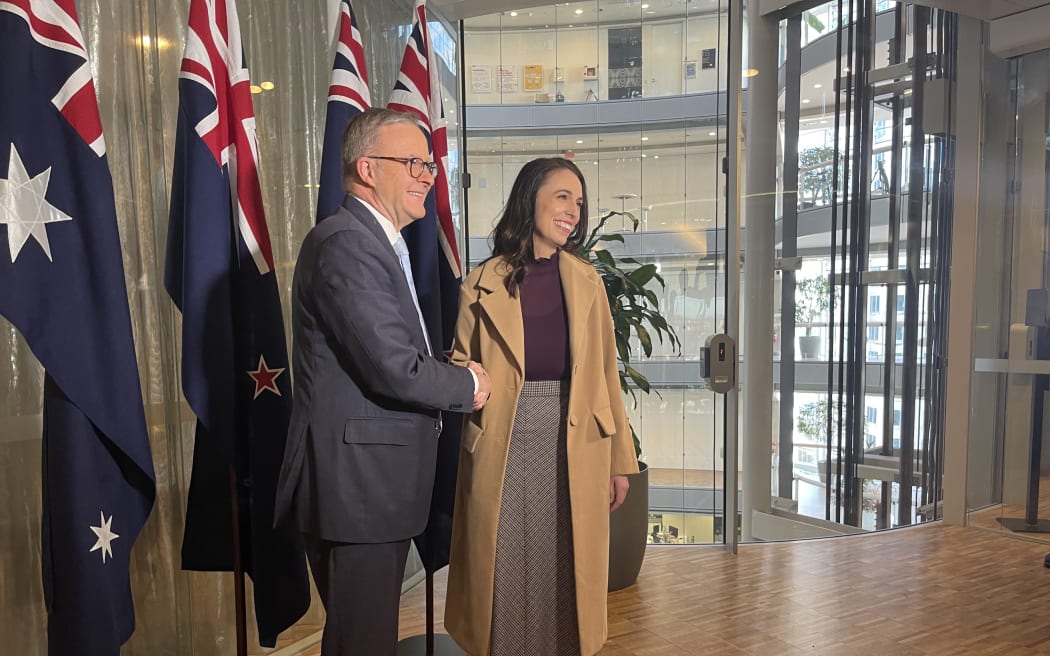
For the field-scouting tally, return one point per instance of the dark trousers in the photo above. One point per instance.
(360, 587)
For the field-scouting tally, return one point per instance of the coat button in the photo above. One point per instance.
(572, 420)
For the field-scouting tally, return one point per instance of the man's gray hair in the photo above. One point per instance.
(359, 138)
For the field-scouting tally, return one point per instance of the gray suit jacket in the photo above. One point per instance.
(362, 444)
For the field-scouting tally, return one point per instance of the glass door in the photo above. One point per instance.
(1009, 463)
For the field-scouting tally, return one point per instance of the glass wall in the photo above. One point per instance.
(1009, 462)
(635, 95)
(862, 240)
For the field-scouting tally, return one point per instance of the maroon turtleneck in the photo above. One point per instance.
(546, 322)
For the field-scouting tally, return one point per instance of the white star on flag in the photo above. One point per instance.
(105, 536)
(24, 208)
(265, 378)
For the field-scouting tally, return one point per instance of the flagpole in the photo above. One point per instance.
(238, 569)
(430, 643)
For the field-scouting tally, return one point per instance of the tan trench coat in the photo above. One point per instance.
(490, 331)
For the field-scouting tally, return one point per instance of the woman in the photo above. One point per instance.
(545, 461)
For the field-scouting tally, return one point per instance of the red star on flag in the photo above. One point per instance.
(265, 378)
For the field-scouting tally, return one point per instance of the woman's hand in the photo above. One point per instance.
(484, 385)
(618, 486)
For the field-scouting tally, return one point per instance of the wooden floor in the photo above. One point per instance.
(927, 590)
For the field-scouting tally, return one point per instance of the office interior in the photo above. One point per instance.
(872, 174)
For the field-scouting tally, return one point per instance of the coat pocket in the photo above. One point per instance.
(471, 434)
(606, 423)
(378, 430)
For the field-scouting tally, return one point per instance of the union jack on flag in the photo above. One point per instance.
(348, 96)
(435, 265)
(62, 286)
(220, 274)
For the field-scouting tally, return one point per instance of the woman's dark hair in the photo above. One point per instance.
(512, 236)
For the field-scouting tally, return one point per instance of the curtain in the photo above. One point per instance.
(136, 51)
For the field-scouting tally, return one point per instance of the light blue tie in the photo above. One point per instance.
(401, 248)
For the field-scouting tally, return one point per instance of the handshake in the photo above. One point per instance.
(484, 385)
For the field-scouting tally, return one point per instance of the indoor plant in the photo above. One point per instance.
(636, 315)
(814, 181)
(812, 297)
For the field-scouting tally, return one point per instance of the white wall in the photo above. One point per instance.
(678, 188)
(572, 49)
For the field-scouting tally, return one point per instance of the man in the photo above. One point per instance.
(359, 463)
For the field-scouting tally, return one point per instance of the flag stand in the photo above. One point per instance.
(429, 644)
(238, 569)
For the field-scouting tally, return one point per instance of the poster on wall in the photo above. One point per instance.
(625, 63)
(480, 78)
(707, 58)
(533, 77)
(508, 79)
(690, 69)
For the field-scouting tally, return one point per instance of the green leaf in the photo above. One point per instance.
(643, 274)
(638, 378)
(644, 339)
(813, 21)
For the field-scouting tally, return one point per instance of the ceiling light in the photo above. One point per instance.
(579, 141)
(712, 134)
(255, 88)
(805, 101)
(645, 6)
(751, 72)
(267, 85)
(817, 85)
(513, 13)
(645, 138)
(579, 11)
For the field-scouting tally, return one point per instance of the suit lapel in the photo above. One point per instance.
(358, 211)
(503, 311)
(362, 214)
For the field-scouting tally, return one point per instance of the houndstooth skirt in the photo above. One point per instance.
(534, 592)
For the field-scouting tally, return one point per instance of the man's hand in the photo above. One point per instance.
(484, 385)
(618, 486)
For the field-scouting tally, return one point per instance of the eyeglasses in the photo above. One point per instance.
(414, 164)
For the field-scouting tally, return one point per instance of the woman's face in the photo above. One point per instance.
(558, 204)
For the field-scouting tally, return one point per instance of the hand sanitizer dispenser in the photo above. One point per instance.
(719, 368)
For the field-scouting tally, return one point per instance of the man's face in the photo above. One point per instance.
(398, 195)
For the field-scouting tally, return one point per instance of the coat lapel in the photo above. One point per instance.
(579, 294)
(503, 311)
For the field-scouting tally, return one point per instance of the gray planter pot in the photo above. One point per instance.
(628, 525)
(809, 346)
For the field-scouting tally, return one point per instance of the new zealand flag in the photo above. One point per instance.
(62, 285)
(220, 273)
(435, 268)
(348, 96)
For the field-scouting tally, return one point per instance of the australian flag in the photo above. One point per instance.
(62, 285)
(435, 268)
(348, 96)
(220, 273)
